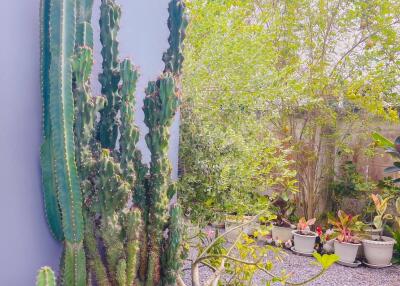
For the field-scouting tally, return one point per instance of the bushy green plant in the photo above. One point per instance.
(283, 207)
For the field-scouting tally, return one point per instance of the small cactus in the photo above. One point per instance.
(45, 277)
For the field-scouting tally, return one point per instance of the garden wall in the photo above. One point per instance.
(25, 242)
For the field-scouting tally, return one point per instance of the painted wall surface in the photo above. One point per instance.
(25, 242)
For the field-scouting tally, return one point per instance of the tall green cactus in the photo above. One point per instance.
(45, 277)
(60, 177)
(110, 77)
(110, 209)
(52, 210)
(159, 107)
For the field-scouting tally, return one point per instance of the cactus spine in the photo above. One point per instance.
(115, 214)
(45, 277)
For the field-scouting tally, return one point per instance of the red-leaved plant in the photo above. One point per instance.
(303, 226)
(347, 227)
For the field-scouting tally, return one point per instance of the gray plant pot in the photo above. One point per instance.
(379, 253)
(347, 252)
(281, 233)
(304, 243)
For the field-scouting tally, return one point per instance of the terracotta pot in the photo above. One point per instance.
(378, 253)
(347, 252)
(304, 243)
(281, 233)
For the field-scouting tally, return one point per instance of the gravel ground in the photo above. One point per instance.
(339, 275)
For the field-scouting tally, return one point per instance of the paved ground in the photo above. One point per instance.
(336, 275)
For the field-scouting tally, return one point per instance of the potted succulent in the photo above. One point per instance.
(347, 242)
(304, 238)
(378, 250)
(282, 228)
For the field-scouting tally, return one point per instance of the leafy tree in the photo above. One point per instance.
(277, 87)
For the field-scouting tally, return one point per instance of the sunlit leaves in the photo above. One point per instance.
(326, 260)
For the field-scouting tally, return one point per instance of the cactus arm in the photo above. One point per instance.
(111, 233)
(62, 39)
(74, 265)
(51, 207)
(128, 130)
(121, 272)
(84, 11)
(133, 228)
(159, 108)
(171, 259)
(45, 277)
(84, 30)
(109, 78)
(177, 23)
(94, 259)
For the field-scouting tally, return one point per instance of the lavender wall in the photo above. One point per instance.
(25, 243)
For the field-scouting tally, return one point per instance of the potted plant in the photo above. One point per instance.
(304, 238)
(347, 242)
(232, 221)
(282, 228)
(378, 250)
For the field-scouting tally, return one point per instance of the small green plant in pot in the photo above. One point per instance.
(378, 250)
(396, 234)
(347, 242)
(282, 228)
(304, 238)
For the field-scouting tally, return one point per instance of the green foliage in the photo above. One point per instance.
(45, 277)
(325, 260)
(396, 252)
(349, 184)
(255, 73)
(392, 148)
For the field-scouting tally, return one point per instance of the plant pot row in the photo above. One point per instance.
(377, 253)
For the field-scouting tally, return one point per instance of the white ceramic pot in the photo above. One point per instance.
(281, 233)
(304, 243)
(378, 253)
(372, 231)
(232, 222)
(347, 252)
